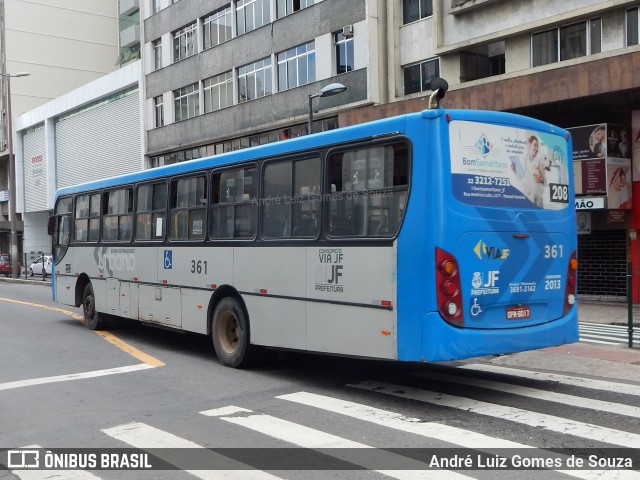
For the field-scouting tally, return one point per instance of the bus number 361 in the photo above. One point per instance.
(199, 266)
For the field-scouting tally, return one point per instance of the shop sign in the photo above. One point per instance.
(589, 203)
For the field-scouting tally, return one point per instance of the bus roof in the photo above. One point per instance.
(396, 124)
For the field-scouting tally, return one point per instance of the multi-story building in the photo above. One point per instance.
(74, 109)
(60, 47)
(227, 74)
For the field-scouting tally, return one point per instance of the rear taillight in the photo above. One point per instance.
(572, 280)
(448, 287)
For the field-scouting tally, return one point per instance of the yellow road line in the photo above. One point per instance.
(108, 336)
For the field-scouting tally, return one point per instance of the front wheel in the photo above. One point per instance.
(31, 272)
(93, 319)
(230, 334)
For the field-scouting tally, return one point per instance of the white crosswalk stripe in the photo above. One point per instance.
(580, 402)
(140, 435)
(455, 436)
(315, 439)
(49, 475)
(603, 334)
(518, 415)
(582, 382)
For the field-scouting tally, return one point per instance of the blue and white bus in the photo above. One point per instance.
(431, 236)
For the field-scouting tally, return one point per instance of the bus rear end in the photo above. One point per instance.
(504, 243)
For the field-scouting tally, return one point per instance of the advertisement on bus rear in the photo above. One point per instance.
(499, 166)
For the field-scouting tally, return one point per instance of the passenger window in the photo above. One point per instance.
(87, 222)
(117, 218)
(188, 207)
(151, 207)
(235, 207)
(291, 202)
(369, 188)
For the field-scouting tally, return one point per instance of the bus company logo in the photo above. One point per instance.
(115, 259)
(481, 287)
(483, 145)
(484, 251)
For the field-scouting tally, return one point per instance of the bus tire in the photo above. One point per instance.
(230, 334)
(93, 319)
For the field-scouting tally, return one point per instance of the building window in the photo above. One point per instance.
(344, 52)
(157, 54)
(297, 66)
(218, 92)
(216, 28)
(186, 102)
(155, 7)
(567, 42)
(287, 7)
(252, 14)
(417, 78)
(413, 10)
(254, 80)
(184, 42)
(632, 26)
(158, 111)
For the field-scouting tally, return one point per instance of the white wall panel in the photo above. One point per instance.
(100, 141)
(35, 169)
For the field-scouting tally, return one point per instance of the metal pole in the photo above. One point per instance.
(310, 121)
(15, 258)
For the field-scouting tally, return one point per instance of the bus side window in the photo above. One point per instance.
(368, 191)
(151, 206)
(116, 218)
(188, 208)
(234, 208)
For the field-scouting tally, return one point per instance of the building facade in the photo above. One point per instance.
(61, 47)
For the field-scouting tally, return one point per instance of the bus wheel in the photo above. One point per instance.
(92, 318)
(230, 334)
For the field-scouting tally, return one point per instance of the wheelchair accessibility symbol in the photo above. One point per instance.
(168, 259)
(475, 308)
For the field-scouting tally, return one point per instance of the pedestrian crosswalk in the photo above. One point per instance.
(436, 407)
(604, 334)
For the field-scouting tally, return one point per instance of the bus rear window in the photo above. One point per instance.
(369, 188)
(500, 166)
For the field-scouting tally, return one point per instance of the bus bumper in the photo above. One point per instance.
(442, 341)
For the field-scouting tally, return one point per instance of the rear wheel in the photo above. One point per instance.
(230, 334)
(30, 272)
(93, 319)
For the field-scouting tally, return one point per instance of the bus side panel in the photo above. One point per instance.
(271, 279)
(351, 330)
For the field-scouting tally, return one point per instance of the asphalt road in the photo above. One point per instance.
(64, 386)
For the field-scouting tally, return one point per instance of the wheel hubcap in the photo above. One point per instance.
(228, 332)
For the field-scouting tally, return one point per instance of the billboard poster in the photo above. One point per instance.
(600, 141)
(594, 177)
(500, 166)
(618, 184)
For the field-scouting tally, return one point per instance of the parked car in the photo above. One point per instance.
(37, 267)
(5, 264)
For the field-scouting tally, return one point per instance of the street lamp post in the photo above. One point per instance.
(15, 257)
(329, 90)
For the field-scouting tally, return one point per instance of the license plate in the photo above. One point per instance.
(518, 312)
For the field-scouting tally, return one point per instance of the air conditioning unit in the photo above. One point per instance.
(347, 31)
